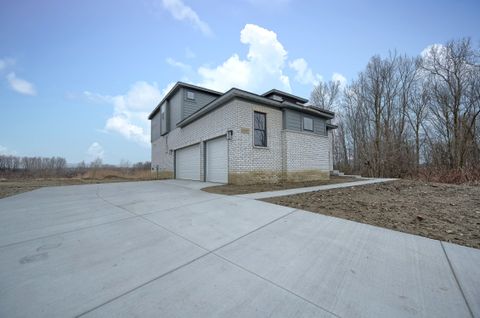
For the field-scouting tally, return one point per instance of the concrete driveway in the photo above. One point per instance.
(167, 249)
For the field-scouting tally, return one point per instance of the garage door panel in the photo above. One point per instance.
(217, 160)
(187, 163)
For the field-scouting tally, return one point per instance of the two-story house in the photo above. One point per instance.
(239, 137)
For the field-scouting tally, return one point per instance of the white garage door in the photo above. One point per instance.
(217, 160)
(187, 163)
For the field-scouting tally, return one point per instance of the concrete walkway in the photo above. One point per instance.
(281, 193)
(167, 249)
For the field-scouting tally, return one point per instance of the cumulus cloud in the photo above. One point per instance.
(304, 75)
(131, 110)
(95, 151)
(433, 49)
(260, 70)
(337, 77)
(433, 52)
(182, 12)
(20, 85)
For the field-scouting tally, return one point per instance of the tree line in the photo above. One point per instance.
(30, 165)
(404, 116)
(16, 166)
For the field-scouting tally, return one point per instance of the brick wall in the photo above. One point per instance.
(307, 153)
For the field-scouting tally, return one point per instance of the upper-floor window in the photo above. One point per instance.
(307, 124)
(190, 95)
(260, 129)
(162, 112)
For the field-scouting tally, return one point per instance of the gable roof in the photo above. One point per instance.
(177, 86)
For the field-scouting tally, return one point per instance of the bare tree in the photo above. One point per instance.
(325, 95)
(454, 71)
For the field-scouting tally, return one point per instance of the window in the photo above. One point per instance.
(307, 124)
(163, 119)
(260, 129)
(162, 112)
(190, 95)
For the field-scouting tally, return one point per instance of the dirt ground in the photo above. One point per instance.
(12, 187)
(232, 189)
(439, 211)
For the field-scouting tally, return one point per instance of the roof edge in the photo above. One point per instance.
(279, 92)
(175, 88)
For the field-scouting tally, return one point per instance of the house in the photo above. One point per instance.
(240, 137)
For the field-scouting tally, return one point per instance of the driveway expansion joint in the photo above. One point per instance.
(456, 280)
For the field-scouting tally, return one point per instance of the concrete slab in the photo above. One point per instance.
(65, 275)
(156, 197)
(209, 287)
(24, 219)
(217, 222)
(280, 193)
(465, 263)
(352, 269)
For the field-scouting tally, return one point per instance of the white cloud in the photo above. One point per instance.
(438, 49)
(4, 151)
(95, 151)
(432, 54)
(182, 12)
(20, 85)
(182, 66)
(337, 77)
(131, 110)
(262, 68)
(304, 75)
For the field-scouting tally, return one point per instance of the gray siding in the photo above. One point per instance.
(191, 106)
(319, 126)
(179, 107)
(155, 127)
(175, 105)
(294, 121)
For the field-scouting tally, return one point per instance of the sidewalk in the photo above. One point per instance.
(271, 194)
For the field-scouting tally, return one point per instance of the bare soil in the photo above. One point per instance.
(12, 187)
(439, 211)
(232, 189)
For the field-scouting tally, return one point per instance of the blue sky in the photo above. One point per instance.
(78, 78)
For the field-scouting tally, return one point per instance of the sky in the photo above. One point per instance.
(79, 78)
